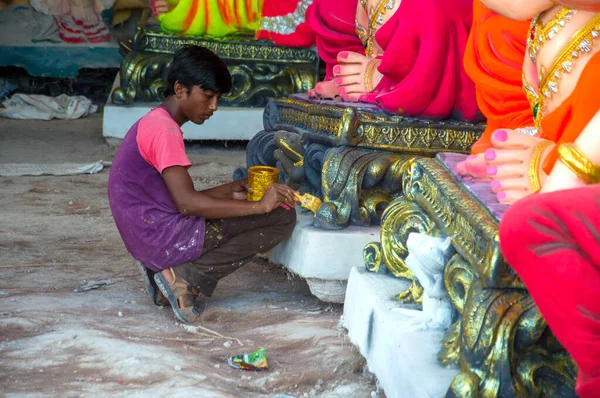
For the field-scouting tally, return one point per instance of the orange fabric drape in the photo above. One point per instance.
(565, 123)
(493, 60)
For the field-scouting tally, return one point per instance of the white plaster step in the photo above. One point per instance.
(225, 124)
(228, 123)
(324, 258)
(405, 362)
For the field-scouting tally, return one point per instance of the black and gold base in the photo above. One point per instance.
(260, 69)
(353, 155)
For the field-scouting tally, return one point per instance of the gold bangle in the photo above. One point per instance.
(579, 163)
(369, 75)
(534, 165)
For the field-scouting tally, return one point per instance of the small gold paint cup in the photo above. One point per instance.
(259, 179)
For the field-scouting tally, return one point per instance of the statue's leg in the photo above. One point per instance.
(553, 242)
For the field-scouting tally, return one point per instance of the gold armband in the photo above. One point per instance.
(579, 163)
(369, 75)
(534, 165)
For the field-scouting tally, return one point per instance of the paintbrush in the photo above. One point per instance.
(309, 202)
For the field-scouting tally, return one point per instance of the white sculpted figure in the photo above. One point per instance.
(427, 259)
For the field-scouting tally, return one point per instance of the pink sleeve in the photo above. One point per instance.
(160, 141)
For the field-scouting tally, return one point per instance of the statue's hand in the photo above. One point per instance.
(515, 164)
(159, 7)
(354, 75)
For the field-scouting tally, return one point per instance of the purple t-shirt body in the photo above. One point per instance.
(152, 228)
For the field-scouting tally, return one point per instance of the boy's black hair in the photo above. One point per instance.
(197, 66)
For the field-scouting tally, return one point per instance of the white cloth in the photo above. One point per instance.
(42, 107)
(60, 169)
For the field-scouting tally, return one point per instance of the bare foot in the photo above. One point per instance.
(159, 7)
(351, 75)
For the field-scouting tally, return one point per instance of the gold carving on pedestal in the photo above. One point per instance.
(357, 185)
(500, 340)
(399, 219)
(259, 69)
(369, 128)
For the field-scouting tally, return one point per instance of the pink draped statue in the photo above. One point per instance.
(422, 65)
(414, 60)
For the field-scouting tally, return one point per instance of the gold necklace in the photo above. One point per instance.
(367, 36)
(539, 34)
(581, 43)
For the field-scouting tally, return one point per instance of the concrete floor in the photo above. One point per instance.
(113, 341)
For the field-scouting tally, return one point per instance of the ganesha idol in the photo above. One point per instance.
(559, 79)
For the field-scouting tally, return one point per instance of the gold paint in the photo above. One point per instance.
(300, 161)
(259, 179)
(309, 202)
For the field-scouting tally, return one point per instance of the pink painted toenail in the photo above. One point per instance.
(496, 185)
(490, 154)
(343, 55)
(338, 80)
(500, 135)
(501, 196)
(337, 69)
(492, 170)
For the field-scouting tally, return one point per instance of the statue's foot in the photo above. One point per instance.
(159, 7)
(475, 166)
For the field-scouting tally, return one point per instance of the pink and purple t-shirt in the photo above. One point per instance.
(152, 229)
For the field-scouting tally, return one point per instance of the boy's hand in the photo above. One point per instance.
(240, 189)
(277, 194)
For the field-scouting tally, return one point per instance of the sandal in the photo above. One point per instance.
(156, 295)
(179, 289)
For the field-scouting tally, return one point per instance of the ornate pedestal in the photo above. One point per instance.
(500, 340)
(370, 168)
(351, 155)
(260, 70)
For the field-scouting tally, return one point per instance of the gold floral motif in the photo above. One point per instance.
(358, 184)
(357, 126)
